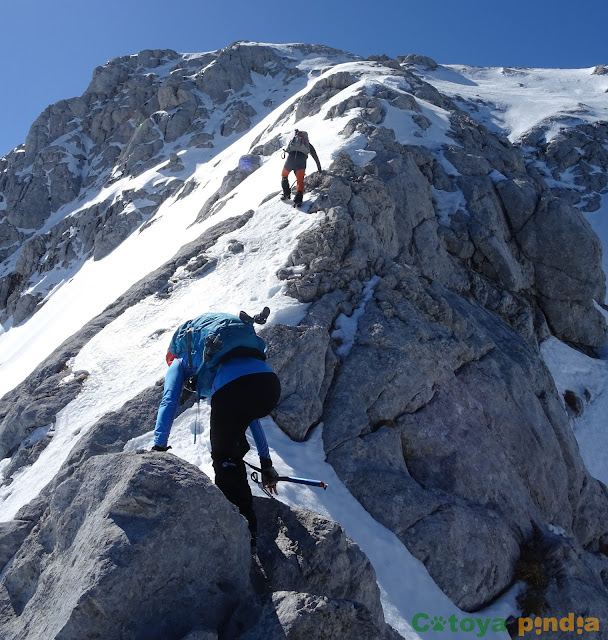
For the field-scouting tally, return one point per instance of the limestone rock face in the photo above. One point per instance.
(152, 548)
(414, 58)
(300, 355)
(452, 317)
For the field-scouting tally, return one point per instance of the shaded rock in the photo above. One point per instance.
(201, 634)
(26, 305)
(371, 108)
(564, 582)
(315, 576)
(293, 616)
(302, 359)
(268, 148)
(12, 535)
(232, 69)
(422, 121)
(467, 164)
(567, 255)
(111, 522)
(238, 119)
(302, 551)
(519, 199)
(247, 165)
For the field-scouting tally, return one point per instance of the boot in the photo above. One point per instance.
(297, 201)
(286, 190)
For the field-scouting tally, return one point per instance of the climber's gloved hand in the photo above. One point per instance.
(160, 447)
(269, 475)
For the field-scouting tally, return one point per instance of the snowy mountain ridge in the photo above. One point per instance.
(438, 261)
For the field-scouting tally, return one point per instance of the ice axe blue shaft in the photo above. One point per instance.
(306, 481)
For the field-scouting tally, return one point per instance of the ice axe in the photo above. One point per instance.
(305, 481)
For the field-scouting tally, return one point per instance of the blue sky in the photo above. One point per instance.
(50, 47)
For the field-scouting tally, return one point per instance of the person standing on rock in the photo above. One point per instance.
(297, 150)
(221, 357)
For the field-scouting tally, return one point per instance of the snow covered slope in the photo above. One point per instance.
(515, 100)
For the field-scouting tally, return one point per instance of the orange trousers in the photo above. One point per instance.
(299, 177)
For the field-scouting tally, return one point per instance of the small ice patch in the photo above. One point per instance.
(346, 326)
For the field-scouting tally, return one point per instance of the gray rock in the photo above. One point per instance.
(238, 119)
(397, 98)
(519, 199)
(416, 59)
(371, 108)
(316, 579)
(114, 522)
(567, 254)
(12, 535)
(107, 79)
(302, 551)
(247, 165)
(406, 424)
(566, 580)
(322, 91)
(298, 551)
(201, 634)
(600, 70)
(301, 358)
(232, 69)
(26, 305)
(467, 164)
(268, 148)
(422, 121)
(293, 616)
(202, 140)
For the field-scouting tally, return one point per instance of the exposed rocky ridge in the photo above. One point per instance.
(135, 108)
(462, 297)
(156, 551)
(454, 319)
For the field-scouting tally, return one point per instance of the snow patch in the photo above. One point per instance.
(346, 326)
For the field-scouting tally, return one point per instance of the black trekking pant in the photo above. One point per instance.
(233, 407)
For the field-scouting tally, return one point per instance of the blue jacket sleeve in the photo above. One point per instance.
(260, 439)
(169, 403)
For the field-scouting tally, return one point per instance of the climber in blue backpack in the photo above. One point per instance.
(221, 355)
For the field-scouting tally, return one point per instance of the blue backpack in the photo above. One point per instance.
(210, 339)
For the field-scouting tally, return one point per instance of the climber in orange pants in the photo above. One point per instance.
(297, 150)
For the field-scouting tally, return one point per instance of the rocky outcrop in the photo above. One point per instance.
(417, 59)
(454, 318)
(113, 522)
(322, 91)
(155, 550)
(247, 165)
(574, 162)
